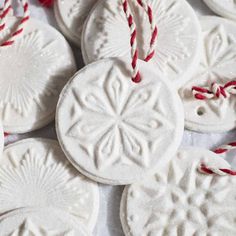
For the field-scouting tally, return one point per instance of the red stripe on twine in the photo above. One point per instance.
(215, 90)
(221, 150)
(19, 30)
(47, 3)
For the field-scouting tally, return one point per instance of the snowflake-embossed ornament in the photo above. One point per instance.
(217, 66)
(179, 200)
(114, 130)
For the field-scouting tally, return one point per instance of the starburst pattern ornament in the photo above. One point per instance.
(178, 41)
(179, 200)
(35, 173)
(217, 66)
(40, 222)
(33, 71)
(115, 129)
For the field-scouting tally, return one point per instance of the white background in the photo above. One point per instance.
(108, 221)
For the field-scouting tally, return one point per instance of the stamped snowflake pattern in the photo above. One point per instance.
(117, 124)
(182, 203)
(22, 85)
(171, 37)
(37, 181)
(29, 228)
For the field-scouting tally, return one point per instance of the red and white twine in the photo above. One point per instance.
(154, 29)
(215, 91)
(20, 27)
(133, 40)
(7, 7)
(219, 171)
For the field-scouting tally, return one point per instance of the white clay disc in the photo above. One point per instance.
(1, 138)
(70, 16)
(40, 222)
(217, 65)
(181, 201)
(36, 173)
(106, 34)
(33, 72)
(225, 8)
(114, 130)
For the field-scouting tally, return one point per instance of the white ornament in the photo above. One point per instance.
(70, 16)
(217, 65)
(35, 173)
(114, 130)
(41, 222)
(106, 34)
(33, 72)
(225, 8)
(179, 200)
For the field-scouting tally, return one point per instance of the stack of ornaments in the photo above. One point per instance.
(152, 68)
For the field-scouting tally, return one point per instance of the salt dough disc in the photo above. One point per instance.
(116, 131)
(181, 201)
(40, 222)
(33, 72)
(1, 138)
(36, 173)
(226, 8)
(70, 16)
(106, 34)
(217, 65)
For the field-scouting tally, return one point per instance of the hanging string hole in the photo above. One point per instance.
(201, 111)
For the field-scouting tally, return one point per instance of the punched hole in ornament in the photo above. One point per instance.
(201, 111)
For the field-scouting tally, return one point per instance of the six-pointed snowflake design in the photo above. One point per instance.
(30, 74)
(119, 124)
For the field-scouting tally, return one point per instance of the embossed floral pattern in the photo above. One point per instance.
(24, 84)
(36, 181)
(117, 124)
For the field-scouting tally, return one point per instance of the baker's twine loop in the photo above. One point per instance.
(20, 27)
(203, 168)
(136, 78)
(215, 91)
(7, 7)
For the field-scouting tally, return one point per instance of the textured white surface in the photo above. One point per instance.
(217, 65)
(108, 220)
(178, 42)
(179, 200)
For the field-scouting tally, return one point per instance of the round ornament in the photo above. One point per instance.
(106, 34)
(225, 8)
(35, 173)
(179, 200)
(34, 68)
(40, 222)
(70, 16)
(116, 131)
(215, 109)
